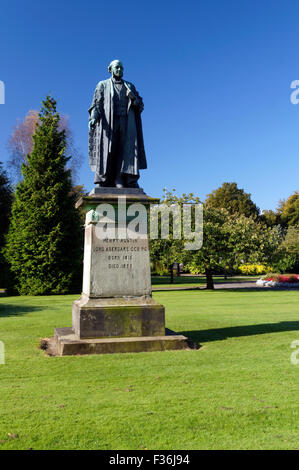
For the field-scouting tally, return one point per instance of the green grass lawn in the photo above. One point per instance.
(239, 391)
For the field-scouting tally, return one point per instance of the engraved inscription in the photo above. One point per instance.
(119, 253)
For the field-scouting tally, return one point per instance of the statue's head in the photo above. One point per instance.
(116, 68)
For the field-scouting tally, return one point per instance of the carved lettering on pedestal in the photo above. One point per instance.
(119, 253)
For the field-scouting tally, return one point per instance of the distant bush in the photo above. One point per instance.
(160, 269)
(192, 268)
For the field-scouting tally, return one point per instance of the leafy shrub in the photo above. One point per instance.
(250, 269)
(161, 269)
(192, 268)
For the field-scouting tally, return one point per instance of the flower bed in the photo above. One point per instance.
(279, 280)
(252, 269)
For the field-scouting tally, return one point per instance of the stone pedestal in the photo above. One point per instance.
(116, 312)
(118, 317)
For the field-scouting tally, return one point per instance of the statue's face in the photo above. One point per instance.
(117, 69)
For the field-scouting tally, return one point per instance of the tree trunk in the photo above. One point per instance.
(209, 276)
(171, 274)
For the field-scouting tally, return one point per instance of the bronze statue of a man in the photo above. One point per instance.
(116, 148)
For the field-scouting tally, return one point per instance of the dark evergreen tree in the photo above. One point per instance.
(6, 196)
(44, 243)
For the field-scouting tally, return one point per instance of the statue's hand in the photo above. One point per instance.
(132, 96)
(91, 123)
(136, 102)
(138, 105)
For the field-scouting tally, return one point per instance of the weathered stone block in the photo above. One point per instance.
(115, 267)
(66, 343)
(118, 317)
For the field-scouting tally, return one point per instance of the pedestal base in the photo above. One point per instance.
(117, 317)
(66, 343)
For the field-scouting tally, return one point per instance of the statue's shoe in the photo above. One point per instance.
(102, 185)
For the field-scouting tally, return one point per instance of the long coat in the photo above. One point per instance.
(101, 135)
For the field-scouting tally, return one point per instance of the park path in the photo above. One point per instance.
(225, 285)
(230, 285)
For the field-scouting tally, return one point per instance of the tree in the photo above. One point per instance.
(6, 196)
(233, 199)
(287, 258)
(215, 243)
(20, 144)
(77, 192)
(251, 241)
(228, 240)
(164, 252)
(289, 210)
(44, 242)
(270, 218)
(291, 240)
(213, 249)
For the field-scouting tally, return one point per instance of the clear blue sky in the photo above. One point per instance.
(214, 75)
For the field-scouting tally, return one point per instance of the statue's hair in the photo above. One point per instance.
(111, 63)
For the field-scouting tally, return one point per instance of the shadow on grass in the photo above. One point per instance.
(15, 310)
(218, 334)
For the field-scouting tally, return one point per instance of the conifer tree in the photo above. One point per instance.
(44, 243)
(6, 196)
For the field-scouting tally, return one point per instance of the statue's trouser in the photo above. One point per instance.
(118, 144)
